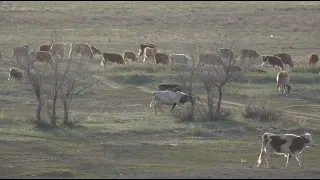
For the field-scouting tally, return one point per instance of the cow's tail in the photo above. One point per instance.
(263, 149)
(153, 98)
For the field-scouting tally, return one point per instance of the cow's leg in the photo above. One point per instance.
(174, 105)
(267, 157)
(298, 158)
(288, 158)
(278, 86)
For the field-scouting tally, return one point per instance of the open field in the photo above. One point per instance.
(118, 134)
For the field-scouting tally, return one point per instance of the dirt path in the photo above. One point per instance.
(227, 104)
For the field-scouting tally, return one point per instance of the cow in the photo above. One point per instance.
(15, 73)
(45, 47)
(161, 58)
(248, 53)
(142, 47)
(283, 81)
(82, 48)
(129, 55)
(111, 57)
(20, 52)
(95, 50)
(226, 53)
(179, 58)
(284, 144)
(41, 56)
(169, 98)
(149, 53)
(313, 59)
(285, 58)
(57, 49)
(209, 59)
(273, 61)
(171, 87)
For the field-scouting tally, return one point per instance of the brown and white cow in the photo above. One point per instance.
(273, 61)
(129, 55)
(95, 50)
(285, 58)
(248, 53)
(161, 58)
(142, 47)
(80, 48)
(284, 144)
(41, 56)
(15, 73)
(149, 53)
(57, 49)
(313, 59)
(111, 57)
(283, 81)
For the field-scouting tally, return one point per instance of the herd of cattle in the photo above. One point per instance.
(172, 94)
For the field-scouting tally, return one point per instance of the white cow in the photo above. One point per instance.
(179, 58)
(149, 53)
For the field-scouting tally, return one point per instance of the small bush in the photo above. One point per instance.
(41, 125)
(185, 114)
(261, 111)
(195, 130)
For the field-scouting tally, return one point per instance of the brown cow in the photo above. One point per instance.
(285, 58)
(57, 49)
(111, 57)
(284, 144)
(80, 48)
(129, 55)
(95, 50)
(313, 59)
(283, 81)
(15, 73)
(161, 58)
(248, 53)
(45, 47)
(41, 56)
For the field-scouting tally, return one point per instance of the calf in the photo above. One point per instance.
(82, 48)
(95, 50)
(111, 57)
(57, 49)
(179, 58)
(161, 58)
(169, 98)
(15, 73)
(142, 47)
(283, 81)
(129, 55)
(248, 53)
(313, 59)
(41, 56)
(273, 61)
(284, 144)
(285, 58)
(149, 53)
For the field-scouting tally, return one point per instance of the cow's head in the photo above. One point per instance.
(308, 139)
(264, 60)
(186, 98)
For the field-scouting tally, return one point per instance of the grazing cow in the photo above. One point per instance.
(210, 59)
(248, 53)
(169, 98)
(82, 48)
(285, 58)
(111, 57)
(284, 144)
(45, 47)
(283, 81)
(226, 53)
(15, 73)
(142, 47)
(313, 59)
(129, 55)
(95, 50)
(273, 61)
(41, 56)
(20, 52)
(57, 49)
(149, 53)
(171, 87)
(179, 58)
(161, 58)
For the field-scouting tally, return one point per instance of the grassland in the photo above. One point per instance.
(118, 135)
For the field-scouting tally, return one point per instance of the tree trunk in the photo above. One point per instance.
(66, 112)
(210, 102)
(38, 111)
(53, 116)
(219, 101)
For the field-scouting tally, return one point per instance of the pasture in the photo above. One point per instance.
(117, 134)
